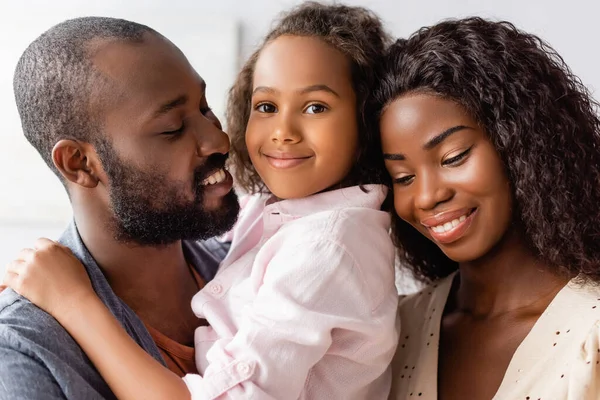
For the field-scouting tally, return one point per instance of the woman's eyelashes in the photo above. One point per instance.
(404, 180)
(453, 161)
(457, 159)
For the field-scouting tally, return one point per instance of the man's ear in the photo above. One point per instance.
(77, 162)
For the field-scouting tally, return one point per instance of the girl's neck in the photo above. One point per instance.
(508, 278)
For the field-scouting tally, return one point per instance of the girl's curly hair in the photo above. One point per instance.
(539, 116)
(356, 32)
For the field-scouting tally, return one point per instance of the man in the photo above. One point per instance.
(118, 113)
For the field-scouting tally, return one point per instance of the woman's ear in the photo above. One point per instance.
(77, 162)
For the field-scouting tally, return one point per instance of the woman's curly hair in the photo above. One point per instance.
(354, 31)
(539, 116)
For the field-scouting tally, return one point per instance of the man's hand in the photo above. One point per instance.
(49, 276)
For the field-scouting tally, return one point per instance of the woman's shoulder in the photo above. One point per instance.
(430, 296)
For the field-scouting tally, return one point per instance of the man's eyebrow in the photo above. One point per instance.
(178, 101)
(443, 136)
(318, 88)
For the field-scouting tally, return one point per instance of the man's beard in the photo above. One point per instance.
(150, 210)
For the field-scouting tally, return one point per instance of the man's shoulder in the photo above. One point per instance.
(34, 347)
(26, 326)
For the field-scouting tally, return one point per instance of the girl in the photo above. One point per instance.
(493, 147)
(305, 304)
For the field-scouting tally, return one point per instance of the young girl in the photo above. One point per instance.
(304, 306)
(493, 148)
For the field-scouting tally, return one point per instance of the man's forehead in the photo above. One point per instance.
(150, 71)
(118, 59)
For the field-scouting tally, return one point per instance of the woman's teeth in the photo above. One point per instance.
(217, 177)
(448, 225)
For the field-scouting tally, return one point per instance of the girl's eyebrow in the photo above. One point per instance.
(265, 89)
(318, 88)
(308, 89)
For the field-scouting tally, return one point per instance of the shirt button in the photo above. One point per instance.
(243, 368)
(216, 288)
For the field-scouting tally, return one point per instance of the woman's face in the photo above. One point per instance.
(449, 181)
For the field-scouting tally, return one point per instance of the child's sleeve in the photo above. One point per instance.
(315, 303)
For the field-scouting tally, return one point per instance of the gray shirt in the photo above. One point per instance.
(40, 360)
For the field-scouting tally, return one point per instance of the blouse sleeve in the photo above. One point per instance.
(314, 299)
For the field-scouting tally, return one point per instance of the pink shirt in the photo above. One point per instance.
(304, 306)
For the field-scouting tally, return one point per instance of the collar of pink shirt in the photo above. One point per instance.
(364, 196)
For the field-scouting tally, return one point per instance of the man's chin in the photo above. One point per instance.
(223, 211)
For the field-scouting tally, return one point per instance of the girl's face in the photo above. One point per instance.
(449, 181)
(302, 135)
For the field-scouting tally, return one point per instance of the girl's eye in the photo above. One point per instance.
(456, 160)
(404, 180)
(266, 108)
(315, 109)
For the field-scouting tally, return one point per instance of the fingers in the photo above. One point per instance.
(42, 243)
(48, 246)
(15, 267)
(26, 254)
(10, 280)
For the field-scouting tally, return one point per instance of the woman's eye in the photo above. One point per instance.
(457, 159)
(315, 109)
(266, 108)
(404, 180)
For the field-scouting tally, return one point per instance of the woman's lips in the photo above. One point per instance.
(450, 227)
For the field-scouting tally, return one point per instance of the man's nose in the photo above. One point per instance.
(210, 137)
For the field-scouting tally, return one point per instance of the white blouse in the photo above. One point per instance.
(558, 359)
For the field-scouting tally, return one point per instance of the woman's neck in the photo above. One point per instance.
(509, 278)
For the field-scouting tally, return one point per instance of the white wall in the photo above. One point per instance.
(33, 203)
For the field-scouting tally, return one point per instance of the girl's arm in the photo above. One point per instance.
(52, 278)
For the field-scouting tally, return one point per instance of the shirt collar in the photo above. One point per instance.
(365, 196)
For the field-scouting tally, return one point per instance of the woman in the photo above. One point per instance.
(493, 148)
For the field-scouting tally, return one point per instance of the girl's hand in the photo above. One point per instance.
(49, 276)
